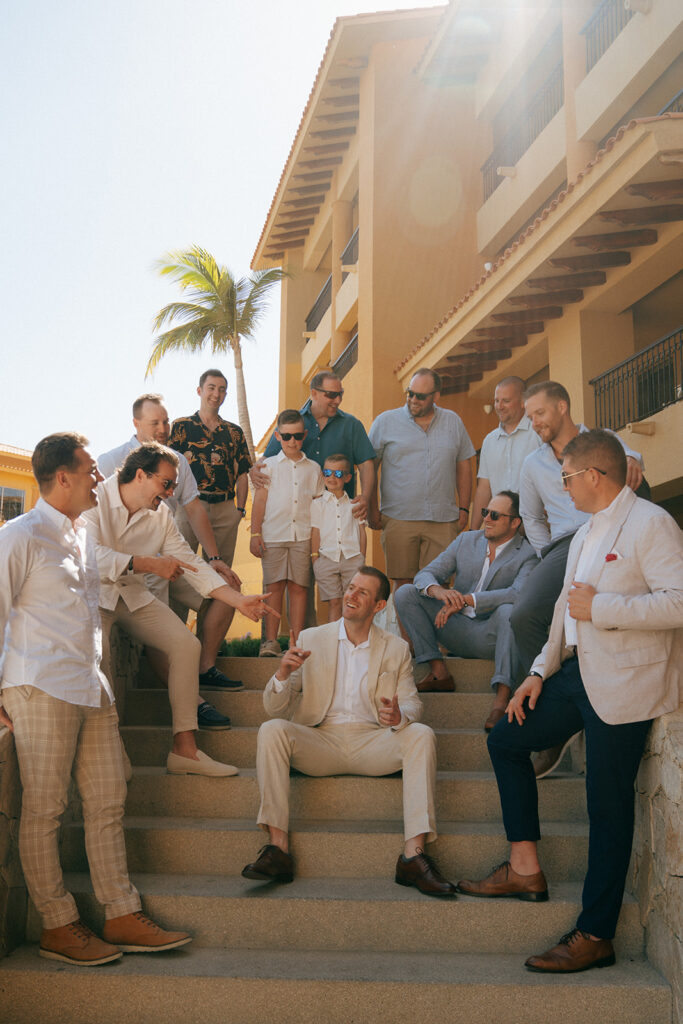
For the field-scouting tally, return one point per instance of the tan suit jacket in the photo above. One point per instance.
(631, 653)
(307, 694)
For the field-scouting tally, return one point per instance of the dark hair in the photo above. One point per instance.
(557, 392)
(212, 373)
(384, 587)
(139, 402)
(289, 416)
(509, 381)
(147, 458)
(514, 501)
(339, 460)
(321, 376)
(599, 448)
(54, 452)
(436, 379)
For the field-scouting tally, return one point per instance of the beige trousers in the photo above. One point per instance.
(156, 626)
(54, 739)
(350, 749)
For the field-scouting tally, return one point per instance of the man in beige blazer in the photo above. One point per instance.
(611, 664)
(343, 702)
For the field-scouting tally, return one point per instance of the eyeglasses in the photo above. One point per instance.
(298, 436)
(495, 516)
(420, 395)
(339, 473)
(568, 476)
(168, 485)
(330, 394)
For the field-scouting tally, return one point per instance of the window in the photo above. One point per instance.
(11, 503)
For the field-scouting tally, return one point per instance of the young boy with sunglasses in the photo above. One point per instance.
(281, 526)
(338, 540)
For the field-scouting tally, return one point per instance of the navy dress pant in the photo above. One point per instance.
(533, 609)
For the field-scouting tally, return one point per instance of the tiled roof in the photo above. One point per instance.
(609, 145)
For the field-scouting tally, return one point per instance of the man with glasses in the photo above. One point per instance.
(134, 533)
(471, 616)
(425, 483)
(611, 664)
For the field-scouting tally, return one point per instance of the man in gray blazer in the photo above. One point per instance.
(611, 664)
(471, 619)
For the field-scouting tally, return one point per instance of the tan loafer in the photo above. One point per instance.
(205, 765)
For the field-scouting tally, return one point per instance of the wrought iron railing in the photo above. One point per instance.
(347, 359)
(674, 106)
(539, 112)
(320, 306)
(642, 385)
(603, 27)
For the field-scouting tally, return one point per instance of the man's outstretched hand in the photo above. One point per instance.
(390, 713)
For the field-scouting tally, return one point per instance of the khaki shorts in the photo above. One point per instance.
(410, 545)
(225, 520)
(290, 560)
(334, 577)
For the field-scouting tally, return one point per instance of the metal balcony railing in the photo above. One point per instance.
(347, 359)
(320, 306)
(674, 106)
(603, 27)
(642, 385)
(539, 112)
(350, 255)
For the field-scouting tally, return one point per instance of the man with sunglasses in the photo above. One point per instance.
(425, 483)
(471, 616)
(134, 533)
(611, 664)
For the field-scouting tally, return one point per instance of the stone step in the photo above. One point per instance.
(347, 914)
(457, 749)
(219, 846)
(460, 796)
(245, 708)
(215, 986)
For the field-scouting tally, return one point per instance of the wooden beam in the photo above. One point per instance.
(274, 255)
(534, 301)
(289, 245)
(459, 389)
(350, 82)
(314, 175)
(290, 236)
(522, 315)
(505, 332)
(596, 262)
(343, 101)
(487, 344)
(657, 189)
(302, 202)
(324, 148)
(585, 280)
(473, 360)
(617, 240)
(311, 211)
(333, 133)
(293, 224)
(330, 161)
(345, 115)
(305, 190)
(645, 214)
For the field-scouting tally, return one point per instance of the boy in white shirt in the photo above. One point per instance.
(338, 541)
(281, 525)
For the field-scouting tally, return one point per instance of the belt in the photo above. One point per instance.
(213, 499)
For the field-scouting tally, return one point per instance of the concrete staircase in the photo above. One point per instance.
(343, 943)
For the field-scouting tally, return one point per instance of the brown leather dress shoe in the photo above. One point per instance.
(74, 943)
(574, 952)
(495, 715)
(271, 865)
(503, 881)
(436, 684)
(136, 933)
(422, 872)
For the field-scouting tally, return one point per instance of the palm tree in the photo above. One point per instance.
(219, 311)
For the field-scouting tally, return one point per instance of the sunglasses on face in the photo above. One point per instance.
(339, 473)
(495, 516)
(168, 485)
(421, 396)
(331, 394)
(298, 436)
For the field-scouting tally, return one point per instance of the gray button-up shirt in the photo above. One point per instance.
(418, 480)
(503, 454)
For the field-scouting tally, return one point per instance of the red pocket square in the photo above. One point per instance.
(611, 557)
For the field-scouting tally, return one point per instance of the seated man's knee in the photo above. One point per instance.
(272, 731)
(502, 614)
(419, 735)
(406, 596)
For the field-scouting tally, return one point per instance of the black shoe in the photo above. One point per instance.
(212, 679)
(209, 718)
(271, 865)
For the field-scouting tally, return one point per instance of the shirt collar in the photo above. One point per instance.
(524, 424)
(57, 518)
(501, 547)
(280, 457)
(406, 413)
(328, 496)
(342, 636)
(614, 505)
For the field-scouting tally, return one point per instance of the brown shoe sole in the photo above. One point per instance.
(527, 897)
(261, 876)
(607, 961)
(413, 885)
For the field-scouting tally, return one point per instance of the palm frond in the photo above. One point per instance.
(192, 268)
(256, 286)
(186, 338)
(183, 311)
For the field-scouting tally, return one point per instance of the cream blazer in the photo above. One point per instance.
(631, 653)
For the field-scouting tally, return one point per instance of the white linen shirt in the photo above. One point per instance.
(502, 455)
(48, 608)
(148, 532)
(291, 489)
(186, 488)
(339, 531)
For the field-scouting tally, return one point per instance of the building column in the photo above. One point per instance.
(575, 14)
(342, 229)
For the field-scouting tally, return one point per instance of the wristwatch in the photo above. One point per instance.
(242, 510)
(537, 674)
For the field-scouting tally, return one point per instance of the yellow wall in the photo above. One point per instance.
(15, 472)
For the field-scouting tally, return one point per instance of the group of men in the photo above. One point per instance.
(585, 613)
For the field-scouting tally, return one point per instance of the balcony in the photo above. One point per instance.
(525, 130)
(674, 106)
(641, 386)
(602, 28)
(347, 359)
(349, 258)
(320, 306)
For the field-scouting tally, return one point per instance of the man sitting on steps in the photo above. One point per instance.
(343, 702)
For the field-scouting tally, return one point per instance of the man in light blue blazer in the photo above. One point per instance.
(471, 619)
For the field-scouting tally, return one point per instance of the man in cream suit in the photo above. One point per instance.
(343, 702)
(611, 664)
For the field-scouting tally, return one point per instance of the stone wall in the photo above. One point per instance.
(657, 864)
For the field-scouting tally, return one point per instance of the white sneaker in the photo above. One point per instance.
(205, 765)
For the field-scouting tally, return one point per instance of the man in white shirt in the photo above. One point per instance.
(134, 533)
(470, 617)
(60, 707)
(504, 450)
(611, 664)
(343, 702)
(151, 423)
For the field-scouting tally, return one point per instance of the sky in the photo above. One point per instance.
(131, 128)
